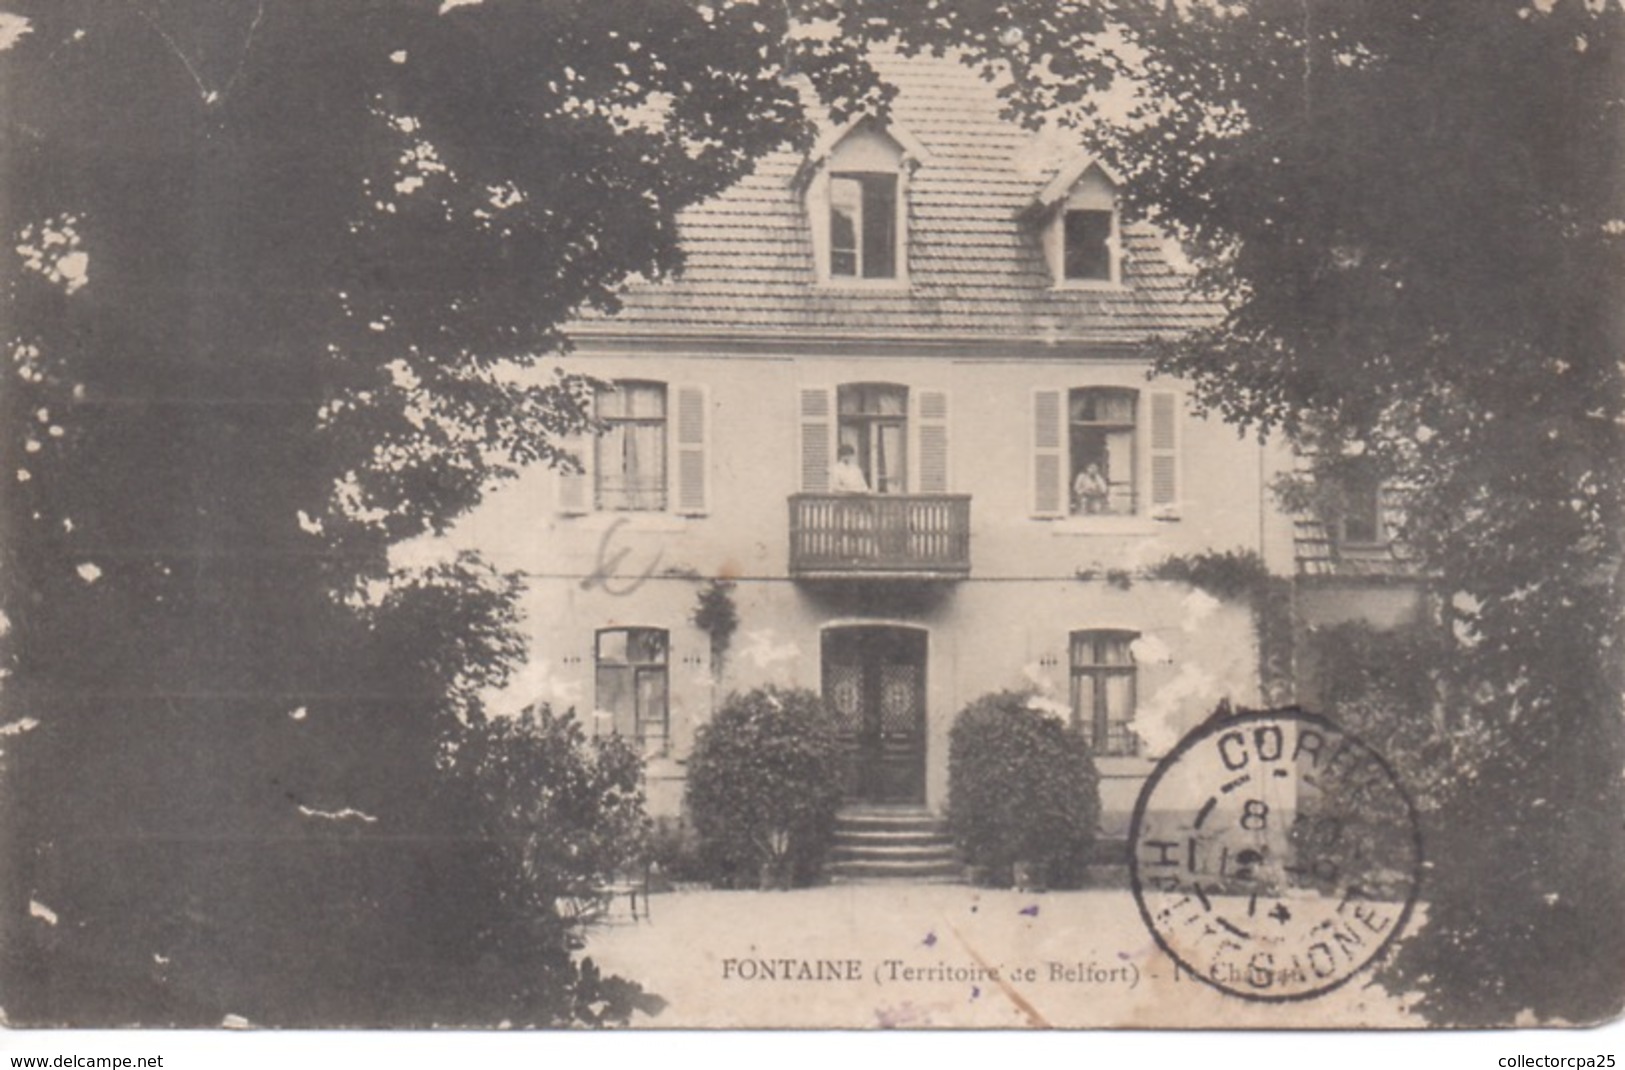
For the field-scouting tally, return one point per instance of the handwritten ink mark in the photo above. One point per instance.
(603, 570)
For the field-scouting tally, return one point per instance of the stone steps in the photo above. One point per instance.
(892, 843)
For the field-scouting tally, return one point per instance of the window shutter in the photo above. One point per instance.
(573, 486)
(1049, 471)
(931, 440)
(1164, 449)
(692, 488)
(817, 430)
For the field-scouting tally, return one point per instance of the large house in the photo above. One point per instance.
(899, 399)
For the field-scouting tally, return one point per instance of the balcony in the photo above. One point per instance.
(879, 536)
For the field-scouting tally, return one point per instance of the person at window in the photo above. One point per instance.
(848, 478)
(1090, 491)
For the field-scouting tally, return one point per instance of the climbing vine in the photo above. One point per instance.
(716, 614)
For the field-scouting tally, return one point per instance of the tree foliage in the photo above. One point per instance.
(274, 261)
(1414, 214)
(275, 264)
(1412, 211)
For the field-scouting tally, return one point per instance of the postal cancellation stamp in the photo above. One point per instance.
(1275, 855)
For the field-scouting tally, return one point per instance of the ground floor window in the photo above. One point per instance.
(1103, 683)
(632, 685)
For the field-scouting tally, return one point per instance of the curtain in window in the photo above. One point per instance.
(631, 465)
(632, 685)
(845, 208)
(1103, 689)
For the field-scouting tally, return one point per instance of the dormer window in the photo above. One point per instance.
(1087, 238)
(1080, 227)
(1359, 514)
(857, 204)
(863, 226)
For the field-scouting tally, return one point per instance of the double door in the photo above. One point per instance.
(874, 683)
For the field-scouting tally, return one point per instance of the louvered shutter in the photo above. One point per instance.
(1048, 454)
(1164, 441)
(817, 432)
(931, 440)
(690, 441)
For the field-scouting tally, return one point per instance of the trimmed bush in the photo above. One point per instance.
(1022, 791)
(763, 787)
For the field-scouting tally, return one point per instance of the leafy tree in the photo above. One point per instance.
(275, 263)
(554, 817)
(1413, 209)
(275, 259)
(1413, 212)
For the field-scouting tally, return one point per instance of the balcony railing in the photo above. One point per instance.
(901, 535)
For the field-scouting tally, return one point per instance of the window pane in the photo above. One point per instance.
(644, 400)
(612, 647)
(888, 400)
(630, 455)
(1099, 406)
(879, 226)
(845, 211)
(1103, 683)
(632, 400)
(1120, 471)
(1083, 702)
(632, 466)
(889, 476)
(652, 707)
(609, 403)
(872, 399)
(1114, 650)
(1362, 515)
(647, 646)
(1114, 407)
(1088, 255)
(615, 698)
(1119, 696)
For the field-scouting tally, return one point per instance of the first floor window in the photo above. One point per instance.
(874, 433)
(1103, 683)
(630, 458)
(632, 685)
(1100, 425)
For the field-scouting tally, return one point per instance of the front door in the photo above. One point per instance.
(874, 682)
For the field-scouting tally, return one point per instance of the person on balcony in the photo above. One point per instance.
(848, 478)
(853, 521)
(1090, 491)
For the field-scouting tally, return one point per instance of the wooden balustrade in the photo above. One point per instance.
(880, 534)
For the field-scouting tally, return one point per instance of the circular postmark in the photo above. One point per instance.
(1274, 855)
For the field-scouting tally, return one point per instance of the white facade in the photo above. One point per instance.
(974, 388)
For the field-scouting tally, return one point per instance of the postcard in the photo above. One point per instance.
(856, 516)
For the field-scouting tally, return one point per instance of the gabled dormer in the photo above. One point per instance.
(1079, 226)
(856, 182)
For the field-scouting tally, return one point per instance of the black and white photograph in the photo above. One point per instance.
(825, 515)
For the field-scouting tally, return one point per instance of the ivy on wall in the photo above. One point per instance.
(716, 614)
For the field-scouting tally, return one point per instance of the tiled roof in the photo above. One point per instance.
(975, 266)
(1319, 556)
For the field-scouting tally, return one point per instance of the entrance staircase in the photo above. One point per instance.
(892, 843)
